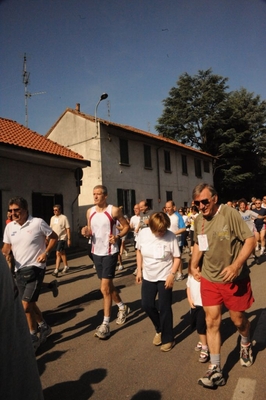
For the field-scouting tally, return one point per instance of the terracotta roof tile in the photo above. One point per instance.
(15, 134)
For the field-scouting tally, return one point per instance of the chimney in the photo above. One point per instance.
(78, 107)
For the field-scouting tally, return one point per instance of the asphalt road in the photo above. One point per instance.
(75, 365)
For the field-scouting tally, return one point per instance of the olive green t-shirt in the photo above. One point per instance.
(226, 233)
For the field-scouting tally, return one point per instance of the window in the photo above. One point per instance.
(127, 199)
(124, 158)
(184, 164)
(198, 168)
(167, 161)
(206, 166)
(169, 196)
(147, 156)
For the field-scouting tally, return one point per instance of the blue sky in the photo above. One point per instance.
(134, 50)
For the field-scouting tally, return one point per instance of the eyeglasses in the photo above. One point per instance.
(14, 209)
(256, 202)
(204, 202)
(55, 209)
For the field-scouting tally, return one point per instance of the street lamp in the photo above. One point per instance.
(103, 97)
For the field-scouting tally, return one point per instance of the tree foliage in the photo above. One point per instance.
(201, 112)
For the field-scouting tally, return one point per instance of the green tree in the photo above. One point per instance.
(200, 112)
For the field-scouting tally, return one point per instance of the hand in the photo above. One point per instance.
(229, 273)
(139, 276)
(169, 283)
(112, 239)
(86, 232)
(196, 274)
(41, 258)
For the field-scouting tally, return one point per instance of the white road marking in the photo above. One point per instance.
(245, 389)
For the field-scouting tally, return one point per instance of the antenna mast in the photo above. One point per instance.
(26, 78)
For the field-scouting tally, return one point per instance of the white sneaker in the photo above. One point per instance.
(120, 267)
(122, 315)
(55, 273)
(65, 270)
(102, 331)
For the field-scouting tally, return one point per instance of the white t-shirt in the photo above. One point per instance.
(27, 241)
(157, 254)
(194, 287)
(175, 226)
(248, 216)
(134, 223)
(59, 224)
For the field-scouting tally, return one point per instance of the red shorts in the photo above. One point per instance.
(236, 296)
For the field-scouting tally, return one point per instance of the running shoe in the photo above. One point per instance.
(65, 270)
(204, 356)
(102, 331)
(55, 273)
(122, 315)
(213, 377)
(246, 358)
(45, 330)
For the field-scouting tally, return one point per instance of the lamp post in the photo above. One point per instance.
(103, 97)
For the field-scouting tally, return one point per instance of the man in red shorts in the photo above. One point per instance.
(224, 242)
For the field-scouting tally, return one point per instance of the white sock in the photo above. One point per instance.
(106, 320)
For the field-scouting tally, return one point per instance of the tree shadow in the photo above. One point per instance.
(78, 390)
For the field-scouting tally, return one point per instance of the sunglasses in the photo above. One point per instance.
(14, 209)
(204, 202)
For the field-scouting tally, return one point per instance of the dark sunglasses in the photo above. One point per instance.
(14, 209)
(204, 202)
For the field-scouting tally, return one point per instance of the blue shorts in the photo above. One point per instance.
(105, 265)
(61, 245)
(29, 282)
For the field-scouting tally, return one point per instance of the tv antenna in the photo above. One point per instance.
(27, 94)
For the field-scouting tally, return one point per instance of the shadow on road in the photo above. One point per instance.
(78, 390)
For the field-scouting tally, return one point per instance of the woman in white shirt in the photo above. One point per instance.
(158, 259)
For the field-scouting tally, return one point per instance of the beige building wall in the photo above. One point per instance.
(78, 132)
(18, 178)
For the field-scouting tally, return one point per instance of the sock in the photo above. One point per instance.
(106, 320)
(120, 305)
(216, 360)
(204, 347)
(244, 340)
